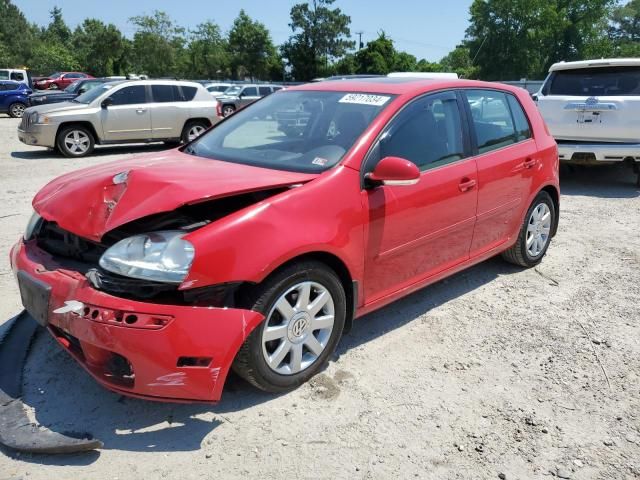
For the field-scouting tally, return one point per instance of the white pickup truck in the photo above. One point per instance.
(592, 109)
(16, 75)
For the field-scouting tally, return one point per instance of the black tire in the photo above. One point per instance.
(66, 150)
(16, 109)
(518, 253)
(54, 86)
(172, 143)
(184, 136)
(250, 363)
(228, 110)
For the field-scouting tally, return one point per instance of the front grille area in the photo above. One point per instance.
(75, 253)
(66, 246)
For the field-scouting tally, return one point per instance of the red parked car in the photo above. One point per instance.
(255, 250)
(60, 80)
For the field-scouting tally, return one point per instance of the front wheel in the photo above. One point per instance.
(535, 234)
(54, 86)
(16, 110)
(305, 309)
(228, 110)
(75, 141)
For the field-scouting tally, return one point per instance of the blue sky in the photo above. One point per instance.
(425, 28)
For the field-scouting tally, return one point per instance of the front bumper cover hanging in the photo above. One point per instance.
(16, 430)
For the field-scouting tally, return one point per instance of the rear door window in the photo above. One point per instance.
(592, 82)
(264, 91)
(250, 92)
(165, 93)
(492, 119)
(130, 95)
(523, 130)
(17, 76)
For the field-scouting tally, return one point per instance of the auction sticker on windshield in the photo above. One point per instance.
(365, 99)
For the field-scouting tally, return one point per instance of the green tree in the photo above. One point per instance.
(52, 57)
(17, 36)
(381, 57)
(459, 61)
(320, 35)
(626, 22)
(158, 45)
(624, 38)
(208, 52)
(57, 31)
(522, 38)
(99, 47)
(251, 49)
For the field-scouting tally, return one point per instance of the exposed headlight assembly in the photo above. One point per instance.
(157, 256)
(32, 226)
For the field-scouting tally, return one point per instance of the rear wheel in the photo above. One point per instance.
(193, 130)
(75, 141)
(535, 233)
(16, 110)
(305, 308)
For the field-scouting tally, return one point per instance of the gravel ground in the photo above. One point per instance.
(496, 372)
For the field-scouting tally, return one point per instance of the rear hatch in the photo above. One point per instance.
(595, 104)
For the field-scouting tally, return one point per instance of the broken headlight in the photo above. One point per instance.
(32, 226)
(158, 256)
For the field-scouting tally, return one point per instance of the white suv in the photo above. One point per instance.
(592, 109)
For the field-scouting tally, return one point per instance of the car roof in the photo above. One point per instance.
(603, 62)
(154, 82)
(400, 85)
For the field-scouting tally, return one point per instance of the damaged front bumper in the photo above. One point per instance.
(154, 351)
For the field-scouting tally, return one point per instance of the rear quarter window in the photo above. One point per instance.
(523, 129)
(188, 93)
(596, 81)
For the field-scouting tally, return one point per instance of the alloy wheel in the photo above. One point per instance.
(17, 110)
(195, 131)
(226, 111)
(77, 142)
(298, 328)
(538, 230)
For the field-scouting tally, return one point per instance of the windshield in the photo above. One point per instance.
(299, 131)
(55, 75)
(73, 87)
(92, 94)
(4, 74)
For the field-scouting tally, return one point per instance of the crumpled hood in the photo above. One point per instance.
(89, 203)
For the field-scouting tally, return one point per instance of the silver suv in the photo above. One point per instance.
(592, 109)
(239, 96)
(121, 112)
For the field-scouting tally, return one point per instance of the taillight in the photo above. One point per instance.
(219, 109)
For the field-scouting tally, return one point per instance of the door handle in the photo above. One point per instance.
(466, 184)
(530, 163)
(141, 110)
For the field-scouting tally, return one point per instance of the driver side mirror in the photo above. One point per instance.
(394, 171)
(107, 102)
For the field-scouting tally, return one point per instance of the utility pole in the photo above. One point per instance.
(360, 45)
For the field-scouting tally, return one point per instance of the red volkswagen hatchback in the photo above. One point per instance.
(255, 246)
